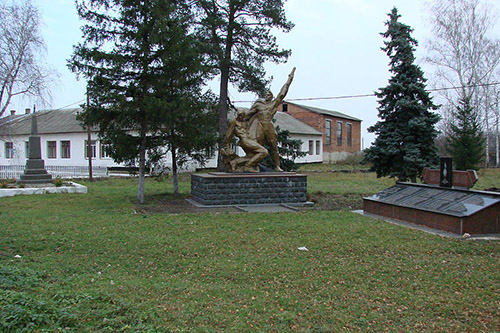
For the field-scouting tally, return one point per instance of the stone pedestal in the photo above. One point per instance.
(35, 173)
(219, 188)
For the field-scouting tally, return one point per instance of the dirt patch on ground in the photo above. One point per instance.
(322, 201)
(328, 201)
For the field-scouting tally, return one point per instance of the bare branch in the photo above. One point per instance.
(22, 71)
(465, 53)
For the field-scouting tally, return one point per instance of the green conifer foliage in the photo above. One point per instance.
(405, 133)
(145, 77)
(465, 141)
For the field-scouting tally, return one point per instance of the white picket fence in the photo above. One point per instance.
(15, 171)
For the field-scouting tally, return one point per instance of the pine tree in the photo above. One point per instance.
(465, 139)
(144, 72)
(405, 134)
(238, 40)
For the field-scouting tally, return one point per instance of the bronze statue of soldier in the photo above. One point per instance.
(265, 109)
(254, 129)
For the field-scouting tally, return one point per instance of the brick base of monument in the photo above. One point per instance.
(219, 188)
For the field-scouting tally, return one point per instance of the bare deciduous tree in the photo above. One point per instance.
(465, 56)
(22, 71)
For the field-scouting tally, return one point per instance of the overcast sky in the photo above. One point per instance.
(335, 46)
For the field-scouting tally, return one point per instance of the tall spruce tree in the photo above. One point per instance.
(238, 40)
(465, 141)
(405, 135)
(144, 73)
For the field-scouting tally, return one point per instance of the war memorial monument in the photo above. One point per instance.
(243, 183)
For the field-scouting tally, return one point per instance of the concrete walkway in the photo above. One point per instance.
(264, 208)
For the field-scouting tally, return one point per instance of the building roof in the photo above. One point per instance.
(49, 122)
(293, 125)
(287, 122)
(325, 112)
(64, 121)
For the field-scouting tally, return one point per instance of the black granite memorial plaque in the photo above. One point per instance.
(446, 177)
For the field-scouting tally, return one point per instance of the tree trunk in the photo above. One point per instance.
(497, 132)
(497, 147)
(89, 152)
(487, 127)
(225, 66)
(142, 170)
(175, 179)
(223, 109)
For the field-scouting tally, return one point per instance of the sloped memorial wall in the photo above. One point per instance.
(454, 210)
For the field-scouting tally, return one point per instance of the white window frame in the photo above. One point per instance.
(9, 150)
(93, 149)
(102, 151)
(65, 150)
(51, 148)
(311, 147)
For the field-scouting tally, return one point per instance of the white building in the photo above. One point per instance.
(64, 141)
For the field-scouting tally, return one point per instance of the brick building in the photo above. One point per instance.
(341, 132)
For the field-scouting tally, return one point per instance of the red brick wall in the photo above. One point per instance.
(318, 121)
(486, 221)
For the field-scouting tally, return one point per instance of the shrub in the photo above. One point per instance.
(58, 182)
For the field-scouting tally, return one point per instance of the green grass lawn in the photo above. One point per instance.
(90, 262)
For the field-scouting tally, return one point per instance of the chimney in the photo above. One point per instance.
(12, 112)
(27, 111)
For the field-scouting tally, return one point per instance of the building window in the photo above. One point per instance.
(93, 152)
(318, 147)
(349, 134)
(339, 133)
(27, 148)
(311, 147)
(65, 149)
(328, 131)
(51, 149)
(104, 150)
(9, 150)
(285, 107)
(210, 151)
(234, 147)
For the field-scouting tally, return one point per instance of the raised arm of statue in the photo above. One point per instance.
(284, 90)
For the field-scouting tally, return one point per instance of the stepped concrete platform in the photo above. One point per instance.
(35, 173)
